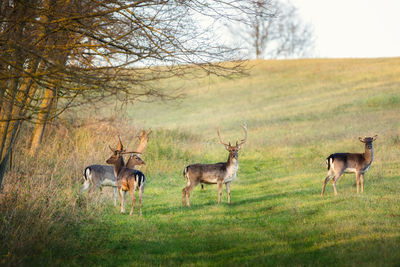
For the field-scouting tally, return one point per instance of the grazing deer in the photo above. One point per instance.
(357, 163)
(97, 176)
(127, 179)
(218, 173)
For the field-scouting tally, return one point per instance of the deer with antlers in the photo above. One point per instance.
(358, 163)
(219, 173)
(127, 179)
(96, 176)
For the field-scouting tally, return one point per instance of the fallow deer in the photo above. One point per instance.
(218, 173)
(97, 176)
(358, 163)
(127, 179)
(133, 161)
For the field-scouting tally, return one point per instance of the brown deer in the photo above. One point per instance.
(127, 179)
(134, 160)
(358, 163)
(96, 176)
(218, 173)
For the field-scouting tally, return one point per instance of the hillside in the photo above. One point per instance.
(297, 112)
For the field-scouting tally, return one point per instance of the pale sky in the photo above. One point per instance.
(353, 28)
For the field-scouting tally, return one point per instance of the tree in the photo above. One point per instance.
(274, 30)
(56, 54)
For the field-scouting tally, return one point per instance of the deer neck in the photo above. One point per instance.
(232, 161)
(369, 154)
(119, 165)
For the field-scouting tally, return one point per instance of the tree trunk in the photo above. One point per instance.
(43, 116)
(8, 152)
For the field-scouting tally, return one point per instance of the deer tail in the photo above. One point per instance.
(185, 173)
(328, 162)
(86, 173)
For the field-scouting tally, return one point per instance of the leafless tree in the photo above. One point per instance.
(58, 54)
(273, 29)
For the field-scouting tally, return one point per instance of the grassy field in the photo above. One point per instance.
(297, 111)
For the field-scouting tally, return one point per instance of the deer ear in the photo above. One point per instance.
(374, 137)
(361, 139)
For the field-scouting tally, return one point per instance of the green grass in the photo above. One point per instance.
(298, 112)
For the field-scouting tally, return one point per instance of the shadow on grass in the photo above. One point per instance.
(172, 245)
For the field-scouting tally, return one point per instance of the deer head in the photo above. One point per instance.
(233, 150)
(118, 152)
(134, 160)
(368, 140)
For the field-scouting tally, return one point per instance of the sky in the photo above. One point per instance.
(353, 28)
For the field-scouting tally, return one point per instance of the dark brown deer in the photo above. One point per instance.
(358, 163)
(218, 173)
(127, 179)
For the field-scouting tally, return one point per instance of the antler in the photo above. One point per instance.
(130, 152)
(143, 139)
(220, 139)
(244, 126)
(120, 147)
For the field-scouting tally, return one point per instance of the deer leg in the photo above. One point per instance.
(185, 198)
(202, 186)
(122, 199)
(188, 189)
(115, 196)
(362, 182)
(188, 196)
(228, 190)
(93, 187)
(219, 192)
(334, 184)
(325, 181)
(334, 180)
(85, 186)
(141, 189)
(358, 181)
(132, 192)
